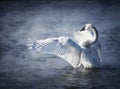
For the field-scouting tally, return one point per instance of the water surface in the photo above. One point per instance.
(21, 68)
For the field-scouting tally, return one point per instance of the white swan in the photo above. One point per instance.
(84, 51)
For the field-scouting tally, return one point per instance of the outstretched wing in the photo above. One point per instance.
(61, 46)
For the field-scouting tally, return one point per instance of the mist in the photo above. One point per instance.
(37, 20)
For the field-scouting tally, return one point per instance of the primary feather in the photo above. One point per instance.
(62, 47)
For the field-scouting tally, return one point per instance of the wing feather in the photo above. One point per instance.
(61, 46)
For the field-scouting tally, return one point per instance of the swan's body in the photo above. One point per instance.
(84, 51)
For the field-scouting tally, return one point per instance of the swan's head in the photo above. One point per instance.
(87, 27)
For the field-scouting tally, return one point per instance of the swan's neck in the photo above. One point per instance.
(93, 40)
(85, 43)
(95, 36)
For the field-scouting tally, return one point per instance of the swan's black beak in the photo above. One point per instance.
(82, 29)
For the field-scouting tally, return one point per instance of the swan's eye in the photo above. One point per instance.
(83, 29)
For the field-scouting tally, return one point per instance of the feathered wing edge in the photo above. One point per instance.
(61, 46)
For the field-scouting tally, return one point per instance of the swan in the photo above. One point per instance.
(81, 51)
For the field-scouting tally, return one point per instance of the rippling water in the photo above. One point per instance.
(21, 68)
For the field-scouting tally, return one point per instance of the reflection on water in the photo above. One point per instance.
(66, 78)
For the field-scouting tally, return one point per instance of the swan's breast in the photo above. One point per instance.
(83, 38)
